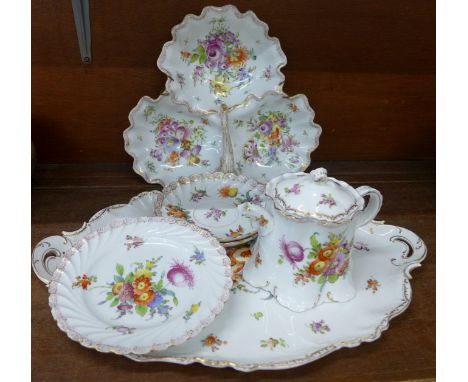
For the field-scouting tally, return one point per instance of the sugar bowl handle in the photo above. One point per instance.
(373, 206)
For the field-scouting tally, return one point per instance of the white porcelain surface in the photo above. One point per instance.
(140, 284)
(221, 57)
(48, 252)
(273, 135)
(210, 201)
(302, 251)
(167, 141)
(254, 332)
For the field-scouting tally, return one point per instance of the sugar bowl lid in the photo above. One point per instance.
(315, 196)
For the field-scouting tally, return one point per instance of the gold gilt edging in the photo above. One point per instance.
(239, 15)
(384, 325)
(62, 322)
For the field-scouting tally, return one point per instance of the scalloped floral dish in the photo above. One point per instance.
(210, 201)
(140, 285)
(254, 332)
(221, 57)
(273, 135)
(166, 141)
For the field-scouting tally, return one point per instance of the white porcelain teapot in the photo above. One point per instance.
(306, 230)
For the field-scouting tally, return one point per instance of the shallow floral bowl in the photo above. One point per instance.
(140, 285)
(167, 141)
(221, 57)
(210, 201)
(273, 135)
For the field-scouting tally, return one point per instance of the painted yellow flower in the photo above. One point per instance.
(219, 87)
(194, 160)
(328, 253)
(143, 272)
(141, 284)
(149, 265)
(194, 308)
(144, 298)
(117, 288)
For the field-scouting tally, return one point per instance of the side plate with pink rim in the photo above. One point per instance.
(139, 285)
(255, 333)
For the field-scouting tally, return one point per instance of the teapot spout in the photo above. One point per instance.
(259, 216)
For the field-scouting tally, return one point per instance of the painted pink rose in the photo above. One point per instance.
(180, 275)
(292, 251)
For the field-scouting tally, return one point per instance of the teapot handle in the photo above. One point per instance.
(373, 206)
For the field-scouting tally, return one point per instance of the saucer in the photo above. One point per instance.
(210, 201)
(140, 285)
(254, 332)
(220, 58)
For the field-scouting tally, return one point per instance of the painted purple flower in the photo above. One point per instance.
(272, 153)
(180, 275)
(172, 144)
(185, 153)
(126, 293)
(157, 154)
(230, 38)
(243, 75)
(267, 73)
(156, 302)
(124, 329)
(124, 307)
(288, 144)
(196, 149)
(281, 122)
(251, 151)
(161, 140)
(162, 310)
(317, 326)
(198, 72)
(295, 189)
(293, 251)
(215, 213)
(337, 266)
(215, 55)
(265, 127)
(182, 133)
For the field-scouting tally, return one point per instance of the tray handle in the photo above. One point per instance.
(414, 251)
(46, 256)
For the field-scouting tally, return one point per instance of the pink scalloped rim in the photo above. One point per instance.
(86, 342)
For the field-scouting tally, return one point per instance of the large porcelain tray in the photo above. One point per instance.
(166, 141)
(221, 57)
(254, 332)
(384, 256)
(139, 285)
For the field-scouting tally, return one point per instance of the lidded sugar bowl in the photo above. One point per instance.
(306, 231)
